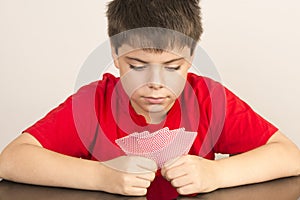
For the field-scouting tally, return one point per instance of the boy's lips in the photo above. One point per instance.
(155, 100)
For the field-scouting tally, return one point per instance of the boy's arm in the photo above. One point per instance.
(25, 160)
(278, 158)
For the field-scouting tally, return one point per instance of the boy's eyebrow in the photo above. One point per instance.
(144, 62)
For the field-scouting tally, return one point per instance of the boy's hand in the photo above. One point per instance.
(191, 174)
(130, 175)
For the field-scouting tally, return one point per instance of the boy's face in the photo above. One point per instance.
(153, 80)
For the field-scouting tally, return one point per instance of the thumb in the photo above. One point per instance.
(145, 163)
(132, 164)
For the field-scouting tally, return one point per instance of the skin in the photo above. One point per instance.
(25, 160)
(153, 81)
(192, 174)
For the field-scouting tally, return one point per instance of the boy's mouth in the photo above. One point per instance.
(154, 100)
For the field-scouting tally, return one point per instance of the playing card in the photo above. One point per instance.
(155, 141)
(143, 142)
(159, 146)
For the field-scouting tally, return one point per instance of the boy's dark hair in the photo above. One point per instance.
(180, 16)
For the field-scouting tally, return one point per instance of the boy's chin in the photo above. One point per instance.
(157, 113)
(155, 109)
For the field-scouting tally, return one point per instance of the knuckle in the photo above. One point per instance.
(163, 171)
(180, 191)
(148, 184)
(140, 192)
(143, 191)
(190, 159)
(125, 179)
(183, 191)
(174, 183)
(187, 157)
(168, 174)
(152, 176)
(126, 191)
(200, 187)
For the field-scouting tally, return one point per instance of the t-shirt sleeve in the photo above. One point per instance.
(69, 128)
(243, 129)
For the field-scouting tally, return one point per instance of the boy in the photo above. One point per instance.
(154, 91)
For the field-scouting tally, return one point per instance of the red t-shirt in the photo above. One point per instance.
(87, 124)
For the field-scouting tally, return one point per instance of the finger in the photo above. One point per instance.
(187, 189)
(145, 163)
(163, 171)
(175, 172)
(173, 162)
(135, 191)
(132, 164)
(141, 183)
(181, 181)
(147, 176)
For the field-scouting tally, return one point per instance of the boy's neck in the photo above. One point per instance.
(155, 118)
(152, 117)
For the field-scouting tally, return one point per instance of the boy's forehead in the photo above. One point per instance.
(154, 56)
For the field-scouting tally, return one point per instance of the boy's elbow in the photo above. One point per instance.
(298, 166)
(291, 152)
(295, 160)
(6, 163)
(1, 166)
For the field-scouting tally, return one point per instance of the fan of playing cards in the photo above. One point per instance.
(160, 146)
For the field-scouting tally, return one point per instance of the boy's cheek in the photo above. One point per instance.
(132, 81)
(175, 83)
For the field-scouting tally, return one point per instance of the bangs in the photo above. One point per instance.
(153, 39)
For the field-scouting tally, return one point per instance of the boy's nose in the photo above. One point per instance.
(154, 85)
(155, 80)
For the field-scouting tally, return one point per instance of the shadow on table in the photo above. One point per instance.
(17, 191)
(281, 189)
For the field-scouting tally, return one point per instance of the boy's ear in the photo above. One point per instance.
(115, 57)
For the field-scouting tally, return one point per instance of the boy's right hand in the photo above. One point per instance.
(129, 175)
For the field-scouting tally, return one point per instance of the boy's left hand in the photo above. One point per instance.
(191, 174)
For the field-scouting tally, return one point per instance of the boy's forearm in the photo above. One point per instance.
(35, 165)
(271, 161)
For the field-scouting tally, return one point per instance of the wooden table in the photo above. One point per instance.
(280, 189)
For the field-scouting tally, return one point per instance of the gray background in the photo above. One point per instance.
(254, 44)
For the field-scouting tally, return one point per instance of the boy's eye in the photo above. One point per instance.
(172, 68)
(137, 68)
